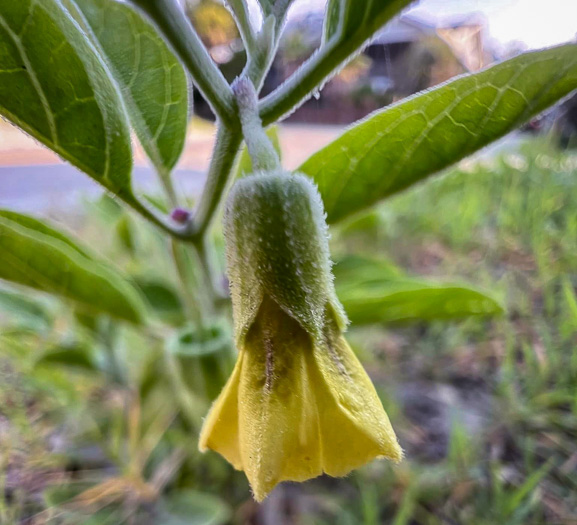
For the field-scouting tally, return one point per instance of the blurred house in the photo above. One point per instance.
(407, 56)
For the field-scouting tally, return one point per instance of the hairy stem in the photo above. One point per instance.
(178, 231)
(241, 14)
(206, 257)
(260, 148)
(168, 187)
(173, 23)
(228, 140)
(260, 60)
(330, 58)
(301, 86)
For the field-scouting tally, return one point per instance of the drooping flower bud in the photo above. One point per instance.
(277, 245)
(298, 403)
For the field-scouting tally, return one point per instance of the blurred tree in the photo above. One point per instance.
(213, 22)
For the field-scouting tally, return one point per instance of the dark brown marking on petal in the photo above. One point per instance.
(269, 365)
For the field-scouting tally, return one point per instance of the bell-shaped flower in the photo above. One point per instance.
(298, 403)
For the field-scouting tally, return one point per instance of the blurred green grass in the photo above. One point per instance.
(507, 453)
(485, 409)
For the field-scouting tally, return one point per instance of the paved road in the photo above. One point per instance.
(41, 188)
(58, 186)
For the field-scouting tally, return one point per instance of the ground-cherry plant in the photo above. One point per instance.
(80, 76)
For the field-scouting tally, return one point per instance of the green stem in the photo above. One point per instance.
(228, 140)
(241, 14)
(205, 254)
(301, 86)
(260, 60)
(193, 309)
(261, 150)
(192, 408)
(173, 23)
(329, 59)
(178, 231)
(168, 187)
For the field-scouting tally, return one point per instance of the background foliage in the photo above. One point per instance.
(109, 365)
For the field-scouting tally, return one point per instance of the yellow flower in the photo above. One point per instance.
(298, 403)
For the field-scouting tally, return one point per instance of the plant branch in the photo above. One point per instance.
(179, 231)
(182, 265)
(260, 148)
(165, 178)
(173, 23)
(205, 255)
(308, 79)
(329, 59)
(239, 9)
(228, 140)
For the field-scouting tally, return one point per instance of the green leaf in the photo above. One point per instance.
(527, 487)
(162, 298)
(205, 357)
(357, 269)
(353, 19)
(55, 87)
(189, 507)
(418, 137)
(375, 291)
(50, 265)
(24, 310)
(152, 81)
(75, 355)
(126, 234)
(414, 300)
(41, 227)
(244, 163)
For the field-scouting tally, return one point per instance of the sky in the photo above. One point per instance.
(537, 23)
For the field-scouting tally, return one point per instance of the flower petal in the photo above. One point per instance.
(220, 429)
(293, 410)
(354, 427)
(278, 422)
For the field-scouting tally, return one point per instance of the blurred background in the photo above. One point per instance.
(485, 407)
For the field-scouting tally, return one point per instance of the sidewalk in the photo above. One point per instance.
(33, 179)
(298, 142)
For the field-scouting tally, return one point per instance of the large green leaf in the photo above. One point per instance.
(415, 300)
(409, 141)
(359, 269)
(151, 79)
(39, 226)
(24, 311)
(48, 264)
(375, 291)
(55, 87)
(349, 19)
